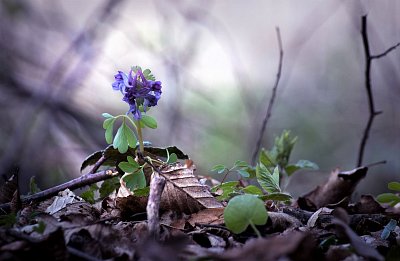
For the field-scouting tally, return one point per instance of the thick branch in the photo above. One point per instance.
(153, 205)
(72, 184)
(271, 101)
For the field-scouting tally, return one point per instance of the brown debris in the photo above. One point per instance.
(339, 186)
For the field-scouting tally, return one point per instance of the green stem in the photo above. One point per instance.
(226, 174)
(255, 229)
(140, 136)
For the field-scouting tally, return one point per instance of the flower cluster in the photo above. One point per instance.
(138, 92)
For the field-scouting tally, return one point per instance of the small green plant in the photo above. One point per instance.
(245, 210)
(140, 91)
(271, 166)
(390, 198)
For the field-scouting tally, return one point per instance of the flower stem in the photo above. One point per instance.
(255, 229)
(140, 136)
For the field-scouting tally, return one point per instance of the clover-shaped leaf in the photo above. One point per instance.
(135, 180)
(125, 137)
(244, 210)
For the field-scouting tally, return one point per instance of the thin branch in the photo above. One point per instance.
(98, 164)
(272, 99)
(368, 87)
(385, 52)
(72, 184)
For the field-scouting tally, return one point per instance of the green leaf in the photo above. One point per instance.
(244, 173)
(388, 228)
(108, 125)
(148, 75)
(388, 198)
(394, 186)
(251, 189)
(131, 137)
(40, 227)
(8, 220)
(265, 159)
(132, 161)
(227, 188)
(243, 210)
(107, 115)
(301, 164)
(134, 180)
(108, 186)
(268, 181)
(240, 164)
(33, 187)
(277, 196)
(172, 158)
(107, 122)
(128, 167)
(143, 192)
(88, 195)
(124, 138)
(219, 168)
(149, 121)
(252, 171)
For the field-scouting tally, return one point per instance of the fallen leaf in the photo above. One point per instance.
(360, 247)
(113, 157)
(62, 200)
(339, 186)
(183, 192)
(367, 205)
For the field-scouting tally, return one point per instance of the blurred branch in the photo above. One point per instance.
(372, 112)
(271, 101)
(56, 77)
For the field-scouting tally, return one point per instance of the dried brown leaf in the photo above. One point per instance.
(368, 205)
(360, 247)
(339, 186)
(183, 192)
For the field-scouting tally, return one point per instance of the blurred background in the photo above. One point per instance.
(217, 61)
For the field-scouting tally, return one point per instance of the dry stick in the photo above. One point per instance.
(372, 111)
(72, 184)
(98, 164)
(157, 184)
(272, 99)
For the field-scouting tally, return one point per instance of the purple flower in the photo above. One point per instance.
(137, 91)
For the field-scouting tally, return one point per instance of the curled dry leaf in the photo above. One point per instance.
(183, 192)
(367, 205)
(339, 186)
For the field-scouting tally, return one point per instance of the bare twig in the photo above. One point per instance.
(72, 184)
(385, 52)
(157, 184)
(98, 164)
(368, 86)
(272, 99)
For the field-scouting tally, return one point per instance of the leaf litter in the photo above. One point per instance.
(321, 225)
